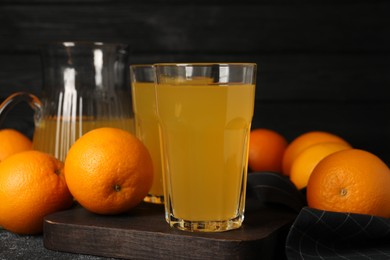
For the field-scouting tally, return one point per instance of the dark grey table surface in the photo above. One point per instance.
(13, 246)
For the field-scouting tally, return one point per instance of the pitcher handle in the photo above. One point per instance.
(15, 99)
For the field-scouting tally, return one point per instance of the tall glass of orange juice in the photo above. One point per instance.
(144, 104)
(205, 113)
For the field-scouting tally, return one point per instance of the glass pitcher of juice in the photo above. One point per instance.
(85, 86)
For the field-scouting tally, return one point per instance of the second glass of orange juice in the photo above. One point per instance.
(144, 103)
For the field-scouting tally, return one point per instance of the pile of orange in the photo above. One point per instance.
(107, 170)
(337, 176)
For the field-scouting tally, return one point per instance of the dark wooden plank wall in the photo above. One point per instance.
(323, 65)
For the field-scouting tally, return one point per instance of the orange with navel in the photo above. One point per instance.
(108, 171)
(32, 186)
(306, 161)
(266, 149)
(12, 142)
(352, 180)
(303, 141)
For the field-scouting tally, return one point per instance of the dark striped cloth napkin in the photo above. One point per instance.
(317, 234)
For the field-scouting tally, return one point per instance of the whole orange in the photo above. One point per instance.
(266, 149)
(32, 185)
(108, 171)
(13, 141)
(305, 162)
(303, 141)
(352, 180)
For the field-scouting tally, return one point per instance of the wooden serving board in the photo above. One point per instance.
(144, 234)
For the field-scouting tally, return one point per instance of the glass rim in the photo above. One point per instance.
(203, 64)
(180, 64)
(141, 65)
(75, 44)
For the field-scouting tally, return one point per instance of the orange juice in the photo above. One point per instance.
(55, 135)
(204, 131)
(144, 102)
